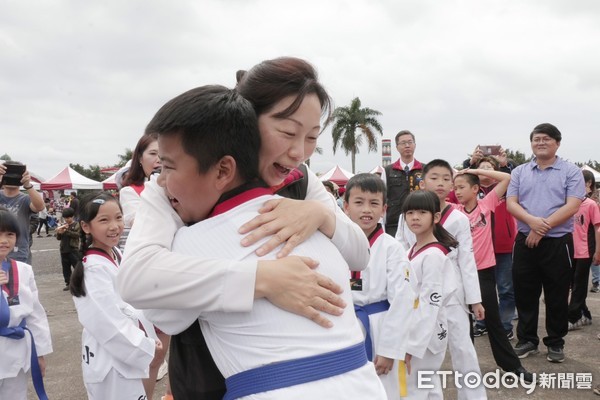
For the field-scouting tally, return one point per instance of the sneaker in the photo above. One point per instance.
(597, 390)
(162, 371)
(522, 373)
(595, 288)
(555, 355)
(39, 236)
(66, 288)
(510, 335)
(585, 321)
(523, 349)
(575, 325)
(479, 331)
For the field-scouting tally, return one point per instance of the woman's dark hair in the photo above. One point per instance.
(588, 176)
(88, 209)
(491, 160)
(136, 174)
(428, 201)
(8, 222)
(272, 80)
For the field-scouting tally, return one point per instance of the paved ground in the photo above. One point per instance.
(63, 376)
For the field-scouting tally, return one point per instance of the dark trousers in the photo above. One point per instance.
(503, 352)
(42, 222)
(68, 260)
(579, 289)
(546, 266)
(192, 372)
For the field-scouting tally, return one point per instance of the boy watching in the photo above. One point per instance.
(382, 293)
(68, 234)
(437, 178)
(479, 212)
(209, 145)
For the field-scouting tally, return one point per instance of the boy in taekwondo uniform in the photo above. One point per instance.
(268, 352)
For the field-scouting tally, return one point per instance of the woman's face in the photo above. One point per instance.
(288, 142)
(150, 160)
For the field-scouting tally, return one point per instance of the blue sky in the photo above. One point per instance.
(80, 80)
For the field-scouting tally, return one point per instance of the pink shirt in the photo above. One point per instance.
(480, 220)
(587, 214)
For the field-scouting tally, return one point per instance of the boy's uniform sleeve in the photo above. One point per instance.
(489, 203)
(349, 239)
(401, 296)
(151, 276)
(404, 235)
(37, 321)
(466, 262)
(98, 311)
(424, 318)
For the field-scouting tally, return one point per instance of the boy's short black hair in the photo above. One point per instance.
(366, 182)
(68, 212)
(213, 122)
(437, 163)
(471, 179)
(548, 129)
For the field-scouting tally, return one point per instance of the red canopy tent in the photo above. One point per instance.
(338, 175)
(68, 178)
(110, 183)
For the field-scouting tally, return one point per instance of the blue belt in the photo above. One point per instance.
(295, 372)
(18, 332)
(362, 313)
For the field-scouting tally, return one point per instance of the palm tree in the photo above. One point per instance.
(346, 121)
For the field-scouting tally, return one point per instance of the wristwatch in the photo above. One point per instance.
(28, 187)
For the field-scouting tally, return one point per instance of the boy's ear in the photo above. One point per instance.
(421, 185)
(226, 172)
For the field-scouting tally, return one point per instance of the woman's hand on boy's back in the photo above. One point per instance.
(289, 222)
(291, 284)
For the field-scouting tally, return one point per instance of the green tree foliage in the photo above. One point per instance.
(592, 163)
(92, 172)
(352, 125)
(123, 158)
(517, 156)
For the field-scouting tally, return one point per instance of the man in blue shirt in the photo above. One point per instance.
(543, 195)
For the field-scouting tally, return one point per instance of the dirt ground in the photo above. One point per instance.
(63, 376)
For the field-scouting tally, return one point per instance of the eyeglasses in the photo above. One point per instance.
(545, 139)
(406, 143)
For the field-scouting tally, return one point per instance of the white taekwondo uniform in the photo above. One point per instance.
(241, 341)
(387, 277)
(15, 354)
(462, 350)
(116, 353)
(428, 335)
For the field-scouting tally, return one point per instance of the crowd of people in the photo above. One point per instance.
(241, 264)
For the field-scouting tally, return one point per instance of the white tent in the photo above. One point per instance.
(337, 174)
(68, 178)
(593, 171)
(377, 170)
